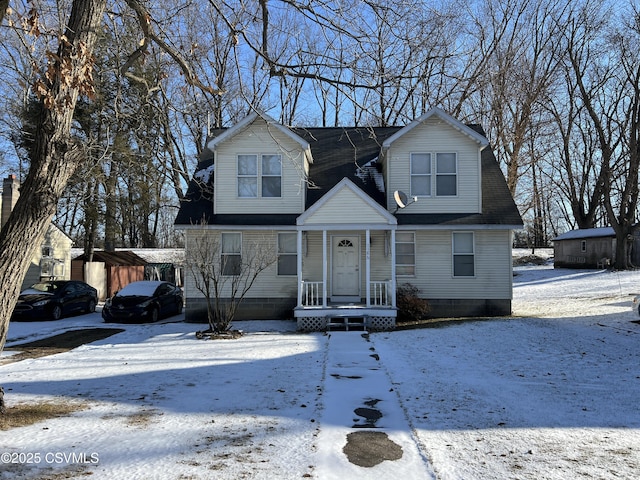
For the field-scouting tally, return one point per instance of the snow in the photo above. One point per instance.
(143, 288)
(369, 171)
(548, 393)
(205, 174)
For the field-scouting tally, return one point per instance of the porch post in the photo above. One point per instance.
(393, 267)
(324, 268)
(367, 274)
(299, 267)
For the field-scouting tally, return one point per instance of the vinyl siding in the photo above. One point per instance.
(434, 266)
(268, 283)
(435, 136)
(258, 139)
(61, 246)
(345, 207)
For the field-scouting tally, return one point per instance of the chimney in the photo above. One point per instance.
(10, 194)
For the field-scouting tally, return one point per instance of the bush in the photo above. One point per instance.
(410, 306)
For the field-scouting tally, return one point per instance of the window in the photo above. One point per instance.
(269, 171)
(287, 254)
(247, 175)
(446, 174)
(405, 254)
(583, 246)
(463, 255)
(51, 267)
(271, 176)
(420, 174)
(231, 253)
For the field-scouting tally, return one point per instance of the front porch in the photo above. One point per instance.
(346, 256)
(331, 303)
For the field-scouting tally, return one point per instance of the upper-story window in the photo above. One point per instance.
(446, 174)
(421, 174)
(259, 179)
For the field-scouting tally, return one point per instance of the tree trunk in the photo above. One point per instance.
(55, 155)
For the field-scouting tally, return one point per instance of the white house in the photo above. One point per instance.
(53, 260)
(351, 213)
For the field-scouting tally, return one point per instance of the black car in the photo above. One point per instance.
(51, 300)
(145, 301)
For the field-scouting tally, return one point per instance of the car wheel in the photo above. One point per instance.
(56, 312)
(91, 306)
(179, 307)
(155, 314)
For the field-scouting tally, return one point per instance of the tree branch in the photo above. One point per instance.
(144, 20)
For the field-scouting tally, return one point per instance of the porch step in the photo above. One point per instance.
(346, 323)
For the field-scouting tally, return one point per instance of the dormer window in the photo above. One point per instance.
(446, 174)
(421, 174)
(259, 179)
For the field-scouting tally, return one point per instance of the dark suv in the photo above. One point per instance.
(51, 300)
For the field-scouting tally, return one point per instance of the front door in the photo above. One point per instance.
(345, 277)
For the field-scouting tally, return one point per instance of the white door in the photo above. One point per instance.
(346, 268)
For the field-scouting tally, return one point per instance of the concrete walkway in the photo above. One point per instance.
(364, 432)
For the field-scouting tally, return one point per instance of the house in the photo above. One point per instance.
(53, 260)
(354, 212)
(590, 248)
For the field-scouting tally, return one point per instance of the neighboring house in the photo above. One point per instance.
(590, 248)
(53, 260)
(326, 199)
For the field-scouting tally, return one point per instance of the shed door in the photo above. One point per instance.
(346, 267)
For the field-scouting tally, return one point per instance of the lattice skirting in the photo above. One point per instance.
(381, 324)
(312, 324)
(319, 324)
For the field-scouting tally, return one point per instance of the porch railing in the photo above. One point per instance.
(312, 293)
(380, 293)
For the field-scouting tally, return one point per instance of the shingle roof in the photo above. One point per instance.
(352, 153)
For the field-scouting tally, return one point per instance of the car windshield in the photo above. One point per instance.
(43, 287)
(138, 289)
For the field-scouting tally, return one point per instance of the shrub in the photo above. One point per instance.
(410, 306)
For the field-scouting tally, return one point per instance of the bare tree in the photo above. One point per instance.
(224, 278)
(55, 156)
(520, 65)
(609, 90)
(57, 152)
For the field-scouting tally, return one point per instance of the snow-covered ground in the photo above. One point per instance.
(550, 393)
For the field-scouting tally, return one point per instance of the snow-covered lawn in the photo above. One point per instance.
(550, 393)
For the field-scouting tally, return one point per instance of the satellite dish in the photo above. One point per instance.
(402, 200)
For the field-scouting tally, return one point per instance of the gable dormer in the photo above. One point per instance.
(362, 209)
(261, 167)
(437, 159)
